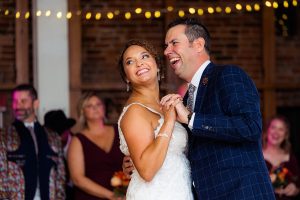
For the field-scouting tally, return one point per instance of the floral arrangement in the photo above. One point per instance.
(120, 183)
(280, 177)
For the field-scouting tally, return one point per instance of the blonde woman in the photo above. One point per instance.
(94, 153)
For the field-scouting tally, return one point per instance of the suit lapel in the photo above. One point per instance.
(202, 87)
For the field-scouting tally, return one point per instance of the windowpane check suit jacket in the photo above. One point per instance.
(225, 142)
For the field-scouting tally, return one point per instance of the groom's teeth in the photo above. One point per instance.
(174, 60)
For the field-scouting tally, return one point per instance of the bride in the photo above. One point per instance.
(149, 133)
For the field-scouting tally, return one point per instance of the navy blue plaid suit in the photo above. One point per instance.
(225, 141)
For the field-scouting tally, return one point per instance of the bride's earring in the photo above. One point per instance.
(127, 86)
(158, 75)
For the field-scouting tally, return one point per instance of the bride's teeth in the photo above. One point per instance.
(142, 71)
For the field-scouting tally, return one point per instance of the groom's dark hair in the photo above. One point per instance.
(194, 29)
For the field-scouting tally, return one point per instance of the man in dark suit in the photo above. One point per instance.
(222, 115)
(31, 157)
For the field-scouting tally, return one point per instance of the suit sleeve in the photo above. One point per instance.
(236, 116)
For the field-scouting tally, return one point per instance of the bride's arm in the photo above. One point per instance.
(147, 152)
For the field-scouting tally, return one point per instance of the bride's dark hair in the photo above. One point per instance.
(146, 45)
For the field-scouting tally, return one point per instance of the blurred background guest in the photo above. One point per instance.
(56, 120)
(31, 157)
(281, 162)
(94, 155)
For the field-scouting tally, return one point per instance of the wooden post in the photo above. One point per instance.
(269, 63)
(22, 44)
(74, 55)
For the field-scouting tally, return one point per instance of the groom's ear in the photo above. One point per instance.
(199, 44)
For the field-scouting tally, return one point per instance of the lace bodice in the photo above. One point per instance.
(173, 180)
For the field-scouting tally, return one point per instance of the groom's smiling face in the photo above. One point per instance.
(180, 52)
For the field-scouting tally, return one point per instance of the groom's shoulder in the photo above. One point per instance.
(223, 70)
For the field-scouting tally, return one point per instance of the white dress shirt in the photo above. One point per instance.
(195, 81)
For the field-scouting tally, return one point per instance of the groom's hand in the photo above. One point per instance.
(127, 166)
(181, 110)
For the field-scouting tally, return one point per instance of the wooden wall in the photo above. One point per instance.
(251, 40)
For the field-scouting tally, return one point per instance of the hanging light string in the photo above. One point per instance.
(140, 12)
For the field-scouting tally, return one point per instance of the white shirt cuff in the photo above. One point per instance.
(191, 123)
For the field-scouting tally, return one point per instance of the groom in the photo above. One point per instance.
(223, 118)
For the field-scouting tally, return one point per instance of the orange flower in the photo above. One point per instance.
(120, 183)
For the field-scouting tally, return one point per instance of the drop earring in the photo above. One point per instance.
(158, 75)
(127, 86)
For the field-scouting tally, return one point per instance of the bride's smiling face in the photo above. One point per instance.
(139, 65)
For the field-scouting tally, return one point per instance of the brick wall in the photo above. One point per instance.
(236, 39)
(7, 42)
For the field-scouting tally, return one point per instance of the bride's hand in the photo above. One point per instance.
(176, 101)
(169, 113)
(127, 166)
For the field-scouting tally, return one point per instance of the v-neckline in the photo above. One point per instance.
(96, 145)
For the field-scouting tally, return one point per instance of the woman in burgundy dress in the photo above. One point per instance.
(281, 162)
(94, 155)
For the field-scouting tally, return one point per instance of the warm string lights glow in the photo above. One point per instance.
(148, 14)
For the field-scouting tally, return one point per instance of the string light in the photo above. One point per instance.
(170, 8)
(192, 10)
(98, 16)
(127, 15)
(200, 11)
(69, 15)
(110, 15)
(256, 7)
(268, 3)
(88, 15)
(157, 14)
(246, 7)
(227, 10)
(48, 13)
(27, 15)
(238, 6)
(38, 13)
(284, 16)
(18, 15)
(275, 4)
(148, 14)
(59, 15)
(138, 11)
(116, 12)
(218, 9)
(181, 13)
(210, 10)
(295, 3)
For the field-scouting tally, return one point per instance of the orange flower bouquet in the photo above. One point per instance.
(280, 177)
(120, 183)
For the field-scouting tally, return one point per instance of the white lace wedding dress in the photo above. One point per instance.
(173, 180)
